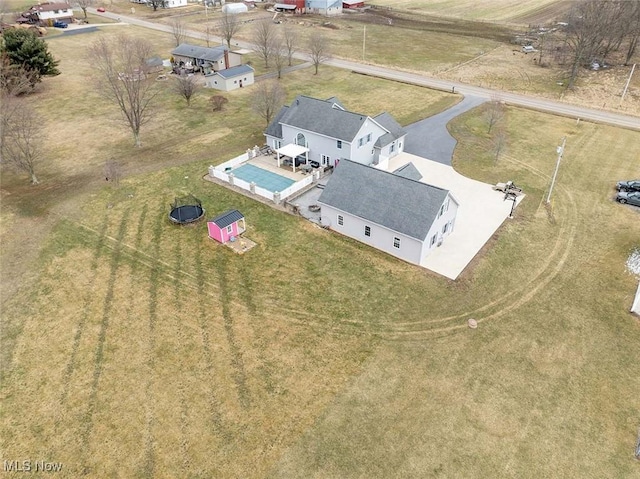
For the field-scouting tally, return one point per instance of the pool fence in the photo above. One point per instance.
(224, 172)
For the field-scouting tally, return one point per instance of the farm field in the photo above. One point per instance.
(146, 350)
(508, 11)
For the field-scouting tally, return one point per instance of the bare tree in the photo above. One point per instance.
(632, 27)
(494, 112)
(15, 80)
(319, 49)
(84, 4)
(263, 39)
(279, 54)
(290, 39)
(585, 35)
(229, 27)
(499, 143)
(178, 30)
(120, 73)
(218, 102)
(186, 86)
(113, 172)
(21, 141)
(155, 4)
(267, 98)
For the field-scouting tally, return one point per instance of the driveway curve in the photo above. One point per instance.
(429, 138)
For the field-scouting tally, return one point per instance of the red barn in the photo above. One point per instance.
(352, 4)
(296, 6)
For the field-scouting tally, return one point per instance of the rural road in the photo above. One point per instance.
(534, 103)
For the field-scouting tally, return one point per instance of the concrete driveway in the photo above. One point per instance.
(429, 138)
(481, 211)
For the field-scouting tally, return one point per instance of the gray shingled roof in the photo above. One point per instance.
(201, 53)
(275, 127)
(389, 123)
(321, 116)
(400, 204)
(234, 71)
(227, 218)
(408, 171)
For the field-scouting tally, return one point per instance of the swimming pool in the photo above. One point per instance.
(263, 178)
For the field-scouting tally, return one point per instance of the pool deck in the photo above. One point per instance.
(270, 163)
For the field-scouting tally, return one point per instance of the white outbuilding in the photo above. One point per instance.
(234, 8)
(231, 78)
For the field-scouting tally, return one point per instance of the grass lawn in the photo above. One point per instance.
(135, 348)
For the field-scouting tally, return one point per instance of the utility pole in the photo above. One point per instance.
(364, 40)
(627, 85)
(560, 151)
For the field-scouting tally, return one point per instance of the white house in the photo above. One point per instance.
(174, 3)
(47, 13)
(230, 78)
(330, 133)
(391, 211)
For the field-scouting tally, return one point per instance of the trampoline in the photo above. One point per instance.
(186, 209)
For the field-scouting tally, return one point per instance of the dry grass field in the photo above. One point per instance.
(506, 11)
(135, 348)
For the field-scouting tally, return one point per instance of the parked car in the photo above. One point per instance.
(59, 24)
(633, 185)
(633, 197)
(100, 9)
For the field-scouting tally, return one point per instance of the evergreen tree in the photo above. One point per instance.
(24, 49)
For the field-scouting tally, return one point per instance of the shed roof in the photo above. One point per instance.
(200, 53)
(234, 71)
(401, 204)
(227, 218)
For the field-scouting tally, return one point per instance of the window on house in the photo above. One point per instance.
(360, 142)
(229, 229)
(434, 238)
(445, 227)
(392, 148)
(325, 160)
(368, 137)
(301, 140)
(367, 230)
(339, 144)
(396, 242)
(340, 220)
(441, 211)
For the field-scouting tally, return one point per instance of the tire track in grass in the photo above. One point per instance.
(247, 296)
(214, 403)
(154, 278)
(99, 355)
(239, 373)
(88, 299)
(184, 410)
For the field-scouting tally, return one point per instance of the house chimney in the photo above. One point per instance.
(226, 58)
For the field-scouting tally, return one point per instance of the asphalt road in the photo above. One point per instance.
(548, 106)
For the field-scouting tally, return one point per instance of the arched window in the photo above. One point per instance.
(300, 140)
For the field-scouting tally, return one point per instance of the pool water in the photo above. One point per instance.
(263, 178)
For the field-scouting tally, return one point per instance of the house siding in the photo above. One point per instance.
(381, 238)
(447, 218)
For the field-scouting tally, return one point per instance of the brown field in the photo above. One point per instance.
(134, 348)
